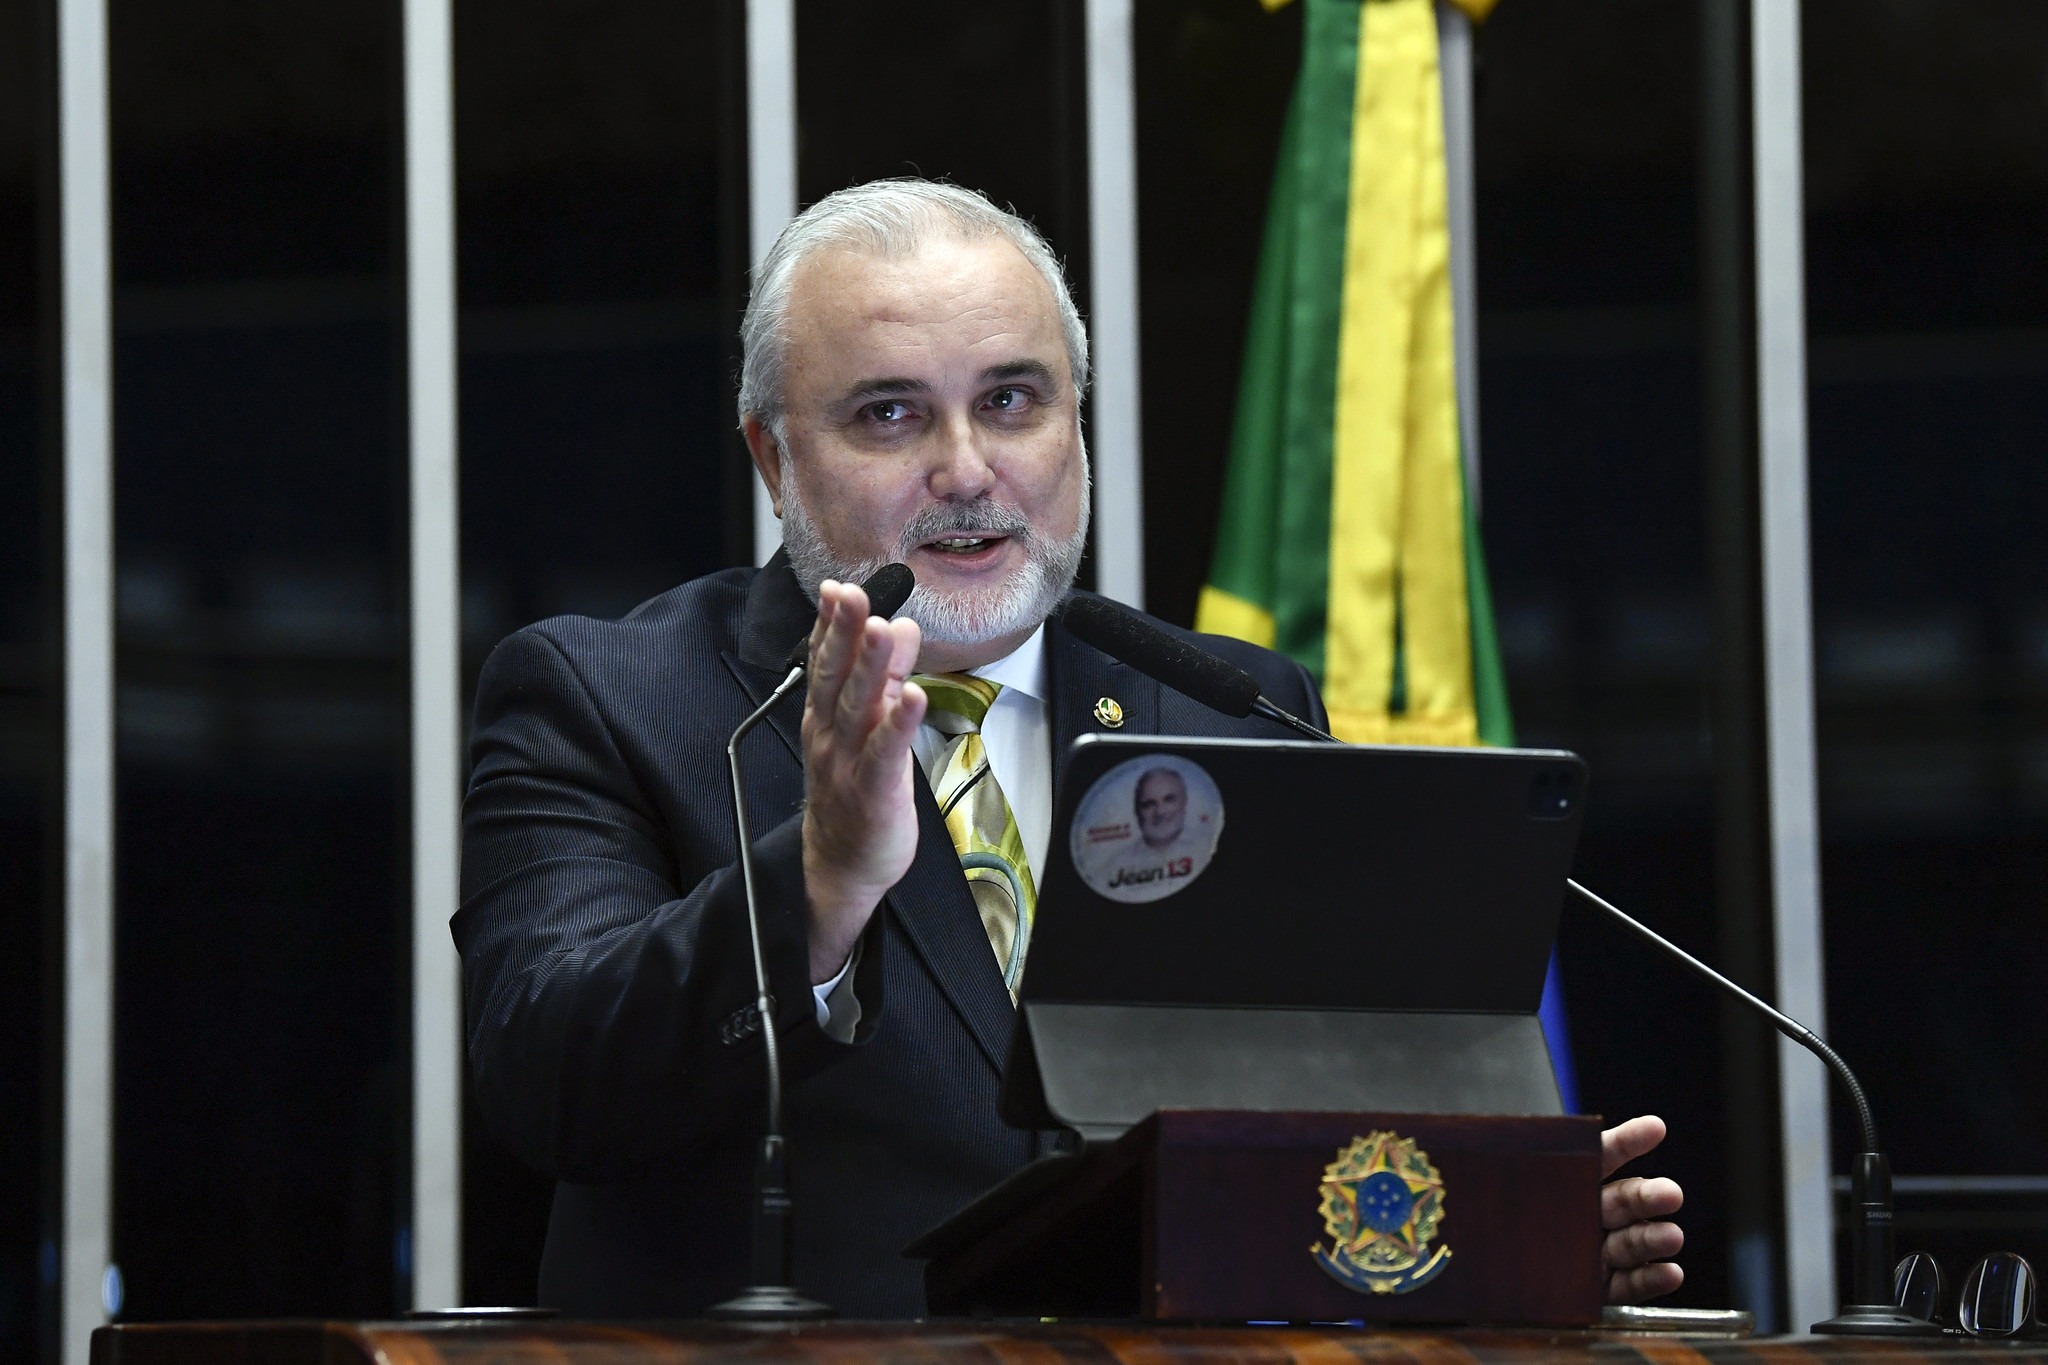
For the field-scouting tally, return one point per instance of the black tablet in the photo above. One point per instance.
(1311, 876)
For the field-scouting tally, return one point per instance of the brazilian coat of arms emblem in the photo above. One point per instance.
(1381, 1204)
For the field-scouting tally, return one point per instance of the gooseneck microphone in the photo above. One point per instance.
(771, 1294)
(1129, 638)
(1122, 634)
(1870, 1311)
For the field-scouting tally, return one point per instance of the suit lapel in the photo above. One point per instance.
(777, 614)
(937, 913)
(787, 719)
(1082, 676)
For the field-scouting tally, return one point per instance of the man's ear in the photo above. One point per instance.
(767, 456)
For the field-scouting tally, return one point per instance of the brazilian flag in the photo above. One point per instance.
(1347, 540)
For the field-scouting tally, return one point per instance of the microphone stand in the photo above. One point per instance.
(1871, 1248)
(1869, 1312)
(772, 1296)
(1272, 711)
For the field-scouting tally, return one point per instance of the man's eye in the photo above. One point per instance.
(888, 410)
(1009, 400)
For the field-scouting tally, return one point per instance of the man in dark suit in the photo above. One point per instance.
(913, 374)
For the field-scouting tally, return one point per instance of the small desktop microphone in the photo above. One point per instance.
(1125, 636)
(1122, 634)
(888, 588)
(771, 1294)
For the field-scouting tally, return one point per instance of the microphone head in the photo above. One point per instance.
(888, 588)
(1124, 635)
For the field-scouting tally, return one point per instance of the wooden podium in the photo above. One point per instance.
(1202, 1215)
(482, 1342)
(1210, 1142)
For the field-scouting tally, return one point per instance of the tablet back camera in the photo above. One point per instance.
(1553, 792)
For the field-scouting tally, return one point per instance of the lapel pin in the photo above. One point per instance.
(1109, 713)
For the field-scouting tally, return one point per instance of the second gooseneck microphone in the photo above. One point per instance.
(771, 1293)
(1125, 636)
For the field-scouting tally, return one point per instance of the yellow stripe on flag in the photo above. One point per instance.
(1397, 509)
(1222, 613)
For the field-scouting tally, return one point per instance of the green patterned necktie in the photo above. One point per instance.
(978, 816)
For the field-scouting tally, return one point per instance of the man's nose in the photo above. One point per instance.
(960, 470)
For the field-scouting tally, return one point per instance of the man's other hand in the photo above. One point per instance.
(860, 818)
(1639, 1244)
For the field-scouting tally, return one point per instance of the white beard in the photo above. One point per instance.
(958, 617)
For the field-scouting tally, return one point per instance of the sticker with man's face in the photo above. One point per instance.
(1147, 828)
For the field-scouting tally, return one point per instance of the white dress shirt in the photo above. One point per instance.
(1017, 736)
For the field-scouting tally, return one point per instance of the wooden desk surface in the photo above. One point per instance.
(978, 1343)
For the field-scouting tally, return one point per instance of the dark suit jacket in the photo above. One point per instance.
(604, 949)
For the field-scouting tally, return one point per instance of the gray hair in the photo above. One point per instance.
(891, 218)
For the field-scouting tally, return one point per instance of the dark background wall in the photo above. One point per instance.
(602, 255)
(1591, 486)
(29, 693)
(1927, 191)
(260, 1063)
(261, 1079)
(1213, 78)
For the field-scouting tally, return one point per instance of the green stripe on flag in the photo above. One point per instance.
(1489, 678)
(1250, 524)
(1273, 547)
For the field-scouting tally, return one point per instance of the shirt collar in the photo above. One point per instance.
(1022, 669)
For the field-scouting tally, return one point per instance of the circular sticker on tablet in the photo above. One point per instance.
(1146, 829)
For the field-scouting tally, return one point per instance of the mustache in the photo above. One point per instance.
(980, 517)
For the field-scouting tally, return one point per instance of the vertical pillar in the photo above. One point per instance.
(1735, 694)
(87, 1279)
(1113, 302)
(1788, 646)
(436, 652)
(771, 172)
(1454, 60)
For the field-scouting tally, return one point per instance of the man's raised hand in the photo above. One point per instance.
(860, 819)
(1639, 1245)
